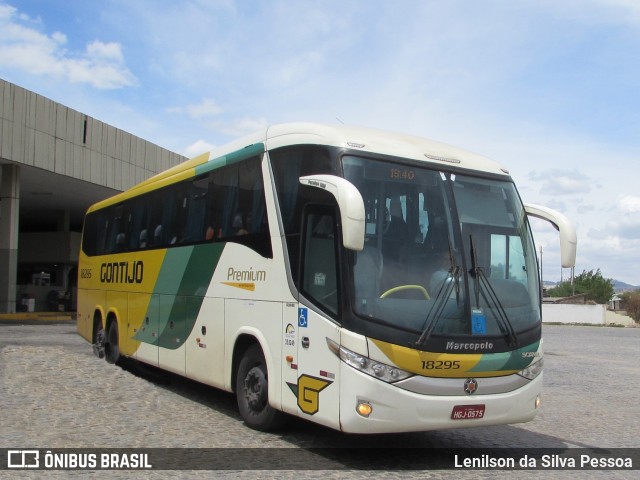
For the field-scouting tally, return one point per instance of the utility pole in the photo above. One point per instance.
(541, 277)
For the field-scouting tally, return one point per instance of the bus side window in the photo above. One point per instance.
(170, 201)
(237, 207)
(96, 225)
(289, 164)
(143, 238)
(115, 233)
(196, 210)
(138, 213)
(215, 206)
(121, 242)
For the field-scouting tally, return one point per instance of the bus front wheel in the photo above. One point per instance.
(252, 392)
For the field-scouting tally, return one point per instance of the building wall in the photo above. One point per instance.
(566, 313)
(38, 132)
(59, 143)
(617, 318)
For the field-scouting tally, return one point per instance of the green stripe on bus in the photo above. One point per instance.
(202, 264)
(231, 158)
(515, 360)
(172, 271)
(181, 285)
(522, 358)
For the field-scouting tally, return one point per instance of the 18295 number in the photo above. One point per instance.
(440, 364)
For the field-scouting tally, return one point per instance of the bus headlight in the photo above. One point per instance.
(533, 370)
(379, 370)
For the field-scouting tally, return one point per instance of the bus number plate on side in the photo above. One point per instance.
(467, 412)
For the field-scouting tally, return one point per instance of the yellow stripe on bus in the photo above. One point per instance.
(430, 364)
(243, 285)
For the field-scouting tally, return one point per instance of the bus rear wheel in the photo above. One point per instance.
(252, 392)
(111, 347)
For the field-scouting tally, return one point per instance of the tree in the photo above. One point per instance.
(632, 304)
(590, 283)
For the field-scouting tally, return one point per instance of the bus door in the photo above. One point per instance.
(317, 385)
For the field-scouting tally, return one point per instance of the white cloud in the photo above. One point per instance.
(102, 66)
(25, 49)
(595, 11)
(625, 219)
(630, 204)
(240, 126)
(196, 148)
(110, 51)
(6, 11)
(561, 182)
(206, 108)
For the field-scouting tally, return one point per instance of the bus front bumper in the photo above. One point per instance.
(393, 409)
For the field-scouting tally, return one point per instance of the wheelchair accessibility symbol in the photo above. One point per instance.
(302, 317)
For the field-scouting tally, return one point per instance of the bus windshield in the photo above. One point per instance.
(444, 255)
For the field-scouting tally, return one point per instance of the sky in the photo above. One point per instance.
(549, 89)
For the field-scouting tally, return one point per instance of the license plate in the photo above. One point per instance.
(466, 412)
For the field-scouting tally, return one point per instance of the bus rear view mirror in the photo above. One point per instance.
(350, 204)
(568, 238)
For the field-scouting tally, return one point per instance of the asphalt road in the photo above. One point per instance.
(54, 393)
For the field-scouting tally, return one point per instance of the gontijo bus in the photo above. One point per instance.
(364, 280)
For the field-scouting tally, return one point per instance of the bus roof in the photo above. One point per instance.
(366, 140)
(379, 141)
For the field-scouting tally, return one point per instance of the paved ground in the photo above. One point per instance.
(54, 394)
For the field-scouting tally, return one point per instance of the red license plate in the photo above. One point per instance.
(467, 412)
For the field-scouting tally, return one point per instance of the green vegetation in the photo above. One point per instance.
(590, 283)
(631, 303)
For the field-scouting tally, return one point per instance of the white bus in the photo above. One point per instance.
(364, 280)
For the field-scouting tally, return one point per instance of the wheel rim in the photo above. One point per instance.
(255, 389)
(98, 346)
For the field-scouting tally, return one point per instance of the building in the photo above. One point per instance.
(54, 163)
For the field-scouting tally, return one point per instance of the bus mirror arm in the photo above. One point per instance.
(350, 204)
(568, 237)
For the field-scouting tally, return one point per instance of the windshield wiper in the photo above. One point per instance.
(441, 298)
(490, 297)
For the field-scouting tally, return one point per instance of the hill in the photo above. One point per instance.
(619, 287)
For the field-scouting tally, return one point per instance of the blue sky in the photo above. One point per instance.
(548, 88)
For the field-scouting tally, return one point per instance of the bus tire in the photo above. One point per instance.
(252, 387)
(99, 337)
(111, 347)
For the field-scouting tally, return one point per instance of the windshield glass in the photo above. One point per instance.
(500, 256)
(417, 272)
